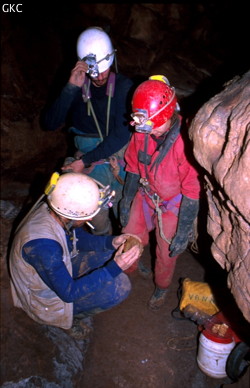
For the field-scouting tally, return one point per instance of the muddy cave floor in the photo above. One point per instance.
(135, 347)
(132, 346)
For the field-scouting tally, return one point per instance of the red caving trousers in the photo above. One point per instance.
(142, 220)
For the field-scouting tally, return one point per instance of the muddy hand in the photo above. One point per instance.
(126, 259)
(118, 240)
(76, 166)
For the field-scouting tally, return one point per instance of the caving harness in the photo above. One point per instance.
(161, 205)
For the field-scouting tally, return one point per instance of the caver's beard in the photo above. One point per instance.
(99, 83)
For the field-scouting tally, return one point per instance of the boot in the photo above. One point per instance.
(81, 328)
(157, 299)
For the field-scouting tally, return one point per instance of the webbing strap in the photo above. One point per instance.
(86, 95)
(159, 215)
(170, 205)
(108, 109)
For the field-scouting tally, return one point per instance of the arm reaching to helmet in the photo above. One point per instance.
(54, 116)
(78, 73)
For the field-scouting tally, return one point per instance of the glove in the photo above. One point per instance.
(129, 191)
(188, 212)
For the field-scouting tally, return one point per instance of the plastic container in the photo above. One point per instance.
(213, 352)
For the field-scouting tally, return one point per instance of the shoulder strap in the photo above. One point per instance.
(167, 144)
(110, 90)
(86, 94)
(110, 93)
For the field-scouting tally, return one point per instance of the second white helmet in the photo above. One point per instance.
(95, 42)
(75, 196)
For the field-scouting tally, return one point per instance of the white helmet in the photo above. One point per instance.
(75, 196)
(95, 44)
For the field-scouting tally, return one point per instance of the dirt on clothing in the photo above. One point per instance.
(130, 346)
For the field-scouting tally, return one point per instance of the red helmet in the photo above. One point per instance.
(153, 103)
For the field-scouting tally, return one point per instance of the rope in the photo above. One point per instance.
(95, 119)
(159, 216)
(177, 339)
(91, 110)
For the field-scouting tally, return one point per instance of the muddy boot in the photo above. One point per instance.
(81, 328)
(157, 299)
(144, 272)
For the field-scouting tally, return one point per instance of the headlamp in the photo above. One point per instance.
(141, 121)
(93, 69)
(106, 197)
(92, 63)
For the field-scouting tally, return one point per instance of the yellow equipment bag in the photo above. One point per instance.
(199, 295)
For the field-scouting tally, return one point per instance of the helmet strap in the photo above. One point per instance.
(106, 57)
(164, 106)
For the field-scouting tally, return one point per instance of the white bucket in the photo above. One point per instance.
(213, 353)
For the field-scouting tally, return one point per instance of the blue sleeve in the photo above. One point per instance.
(45, 256)
(55, 116)
(91, 242)
(119, 130)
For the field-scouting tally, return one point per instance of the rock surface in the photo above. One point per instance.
(221, 135)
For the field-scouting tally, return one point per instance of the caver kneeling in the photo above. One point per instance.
(58, 269)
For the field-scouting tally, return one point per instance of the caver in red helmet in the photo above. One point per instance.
(153, 103)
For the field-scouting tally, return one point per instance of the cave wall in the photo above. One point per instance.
(221, 135)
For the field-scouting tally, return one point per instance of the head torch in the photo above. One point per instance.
(92, 63)
(142, 123)
(106, 197)
(93, 70)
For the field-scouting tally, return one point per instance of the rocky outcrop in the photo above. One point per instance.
(221, 135)
(36, 355)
